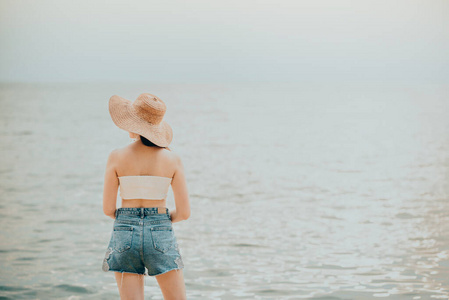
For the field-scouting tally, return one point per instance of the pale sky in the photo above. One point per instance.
(224, 41)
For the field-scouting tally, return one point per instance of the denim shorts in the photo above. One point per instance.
(142, 242)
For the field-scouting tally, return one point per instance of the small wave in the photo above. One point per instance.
(74, 288)
(9, 288)
(246, 245)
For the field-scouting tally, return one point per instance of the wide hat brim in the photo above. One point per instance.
(125, 117)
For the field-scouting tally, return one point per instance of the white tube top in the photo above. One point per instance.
(144, 187)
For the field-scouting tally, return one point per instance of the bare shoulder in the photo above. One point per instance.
(125, 150)
(112, 160)
(172, 155)
(119, 154)
(114, 154)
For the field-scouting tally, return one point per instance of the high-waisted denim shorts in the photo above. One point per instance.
(142, 242)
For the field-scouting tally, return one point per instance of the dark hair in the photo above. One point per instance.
(148, 143)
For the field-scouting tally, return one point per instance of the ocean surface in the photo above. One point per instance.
(298, 191)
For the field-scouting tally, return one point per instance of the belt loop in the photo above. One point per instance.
(141, 212)
(115, 213)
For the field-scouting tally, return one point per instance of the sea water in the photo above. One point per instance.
(312, 191)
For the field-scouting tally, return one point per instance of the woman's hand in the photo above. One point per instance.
(175, 217)
(112, 216)
(179, 186)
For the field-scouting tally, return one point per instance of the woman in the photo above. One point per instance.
(143, 241)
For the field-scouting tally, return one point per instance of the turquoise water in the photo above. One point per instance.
(297, 191)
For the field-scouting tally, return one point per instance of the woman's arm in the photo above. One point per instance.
(179, 186)
(110, 188)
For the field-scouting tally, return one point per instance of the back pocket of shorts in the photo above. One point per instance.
(122, 236)
(163, 238)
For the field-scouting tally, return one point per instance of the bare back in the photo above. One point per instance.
(137, 159)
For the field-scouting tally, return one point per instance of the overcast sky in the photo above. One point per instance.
(224, 41)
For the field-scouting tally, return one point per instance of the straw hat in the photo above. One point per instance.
(143, 116)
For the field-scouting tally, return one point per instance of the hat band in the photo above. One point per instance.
(151, 116)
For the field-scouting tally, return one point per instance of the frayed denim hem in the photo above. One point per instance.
(125, 272)
(177, 269)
